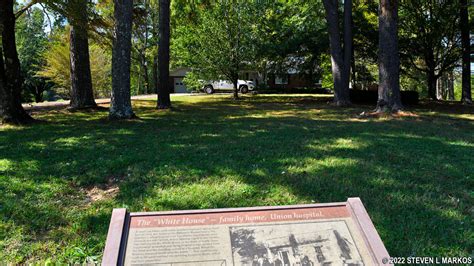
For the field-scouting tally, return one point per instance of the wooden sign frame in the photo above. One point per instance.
(115, 247)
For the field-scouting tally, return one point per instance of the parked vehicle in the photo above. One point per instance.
(244, 86)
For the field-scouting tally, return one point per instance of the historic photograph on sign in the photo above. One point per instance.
(304, 244)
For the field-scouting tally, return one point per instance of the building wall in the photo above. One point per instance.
(293, 81)
(177, 73)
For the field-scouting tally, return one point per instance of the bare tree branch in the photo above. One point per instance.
(25, 8)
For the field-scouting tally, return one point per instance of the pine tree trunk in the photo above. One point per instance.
(439, 88)
(146, 78)
(38, 93)
(353, 69)
(235, 82)
(82, 95)
(164, 101)
(451, 86)
(155, 74)
(389, 61)
(339, 75)
(466, 53)
(146, 85)
(11, 82)
(346, 74)
(8, 113)
(154, 33)
(120, 104)
(432, 80)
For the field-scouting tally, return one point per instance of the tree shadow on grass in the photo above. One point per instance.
(413, 176)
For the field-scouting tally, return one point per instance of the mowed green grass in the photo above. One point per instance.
(60, 180)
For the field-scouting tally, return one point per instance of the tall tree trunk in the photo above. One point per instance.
(146, 84)
(8, 111)
(235, 83)
(120, 104)
(164, 101)
(155, 38)
(147, 80)
(346, 74)
(431, 76)
(236, 91)
(389, 61)
(439, 88)
(11, 82)
(450, 86)
(82, 95)
(466, 53)
(144, 68)
(265, 75)
(38, 93)
(339, 59)
(432, 80)
(353, 69)
(155, 74)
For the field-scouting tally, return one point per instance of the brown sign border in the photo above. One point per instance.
(114, 252)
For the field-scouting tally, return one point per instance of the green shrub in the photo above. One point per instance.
(192, 81)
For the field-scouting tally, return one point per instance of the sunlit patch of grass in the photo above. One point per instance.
(71, 141)
(413, 173)
(201, 195)
(5, 165)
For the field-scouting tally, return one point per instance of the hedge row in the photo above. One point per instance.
(356, 96)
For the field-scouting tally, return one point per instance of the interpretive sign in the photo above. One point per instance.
(306, 235)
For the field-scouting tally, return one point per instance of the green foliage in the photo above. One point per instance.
(268, 150)
(220, 43)
(32, 42)
(414, 80)
(79, 12)
(429, 37)
(365, 43)
(290, 35)
(101, 68)
(57, 67)
(193, 81)
(365, 31)
(327, 81)
(144, 45)
(458, 84)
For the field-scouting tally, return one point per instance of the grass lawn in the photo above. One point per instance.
(60, 180)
